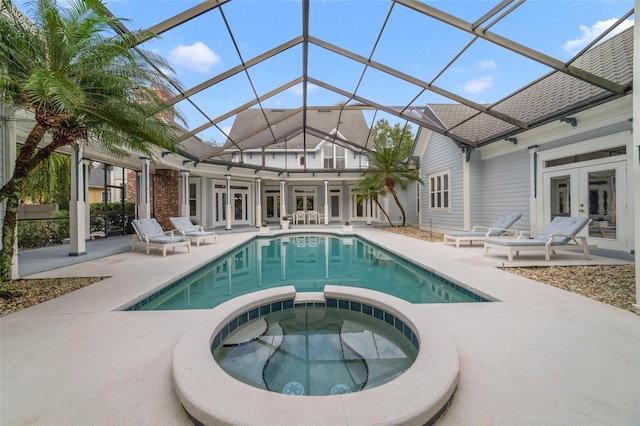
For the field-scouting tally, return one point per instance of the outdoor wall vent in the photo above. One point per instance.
(570, 120)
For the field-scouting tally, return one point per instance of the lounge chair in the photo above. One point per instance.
(195, 233)
(560, 233)
(150, 233)
(499, 228)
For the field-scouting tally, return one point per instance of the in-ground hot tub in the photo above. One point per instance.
(417, 392)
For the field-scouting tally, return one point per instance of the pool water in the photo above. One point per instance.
(315, 351)
(308, 262)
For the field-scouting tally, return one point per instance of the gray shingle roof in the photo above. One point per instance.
(250, 130)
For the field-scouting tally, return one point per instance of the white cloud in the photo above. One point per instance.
(487, 64)
(297, 89)
(590, 33)
(196, 57)
(478, 85)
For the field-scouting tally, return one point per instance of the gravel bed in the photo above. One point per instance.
(30, 292)
(612, 284)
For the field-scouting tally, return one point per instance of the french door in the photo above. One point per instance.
(597, 192)
(271, 204)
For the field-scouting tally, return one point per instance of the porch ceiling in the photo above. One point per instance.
(600, 71)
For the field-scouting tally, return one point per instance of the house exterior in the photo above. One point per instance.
(322, 169)
(581, 164)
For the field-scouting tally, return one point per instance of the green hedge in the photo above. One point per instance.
(41, 233)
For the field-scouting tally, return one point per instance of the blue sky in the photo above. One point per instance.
(411, 43)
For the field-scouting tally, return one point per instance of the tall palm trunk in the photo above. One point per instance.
(377, 201)
(391, 188)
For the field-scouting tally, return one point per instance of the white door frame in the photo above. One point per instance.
(579, 188)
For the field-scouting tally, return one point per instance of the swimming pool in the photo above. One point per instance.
(308, 262)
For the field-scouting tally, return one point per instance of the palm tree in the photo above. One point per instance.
(388, 163)
(80, 80)
(368, 190)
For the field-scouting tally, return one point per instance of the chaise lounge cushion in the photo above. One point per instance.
(562, 225)
(195, 233)
(559, 225)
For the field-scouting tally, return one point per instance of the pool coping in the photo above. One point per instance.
(211, 396)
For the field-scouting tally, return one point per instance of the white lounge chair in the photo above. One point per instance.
(150, 233)
(560, 233)
(195, 233)
(499, 228)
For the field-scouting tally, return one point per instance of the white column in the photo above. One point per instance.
(144, 202)
(368, 208)
(326, 258)
(534, 189)
(203, 211)
(77, 243)
(326, 202)
(184, 197)
(636, 158)
(228, 206)
(8, 140)
(87, 206)
(283, 203)
(258, 203)
(466, 192)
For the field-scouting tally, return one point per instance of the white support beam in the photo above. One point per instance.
(636, 157)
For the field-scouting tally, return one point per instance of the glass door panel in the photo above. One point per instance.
(560, 188)
(601, 202)
(238, 205)
(334, 206)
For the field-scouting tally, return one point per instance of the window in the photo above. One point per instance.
(328, 156)
(193, 191)
(334, 156)
(340, 157)
(439, 190)
(302, 159)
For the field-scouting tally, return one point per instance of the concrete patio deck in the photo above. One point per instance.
(540, 355)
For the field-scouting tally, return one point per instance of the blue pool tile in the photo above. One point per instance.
(378, 313)
(367, 309)
(389, 318)
(407, 332)
(319, 304)
(233, 324)
(287, 304)
(224, 333)
(243, 319)
(300, 305)
(343, 304)
(399, 325)
(355, 306)
(265, 310)
(216, 342)
(254, 313)
(276, 306)
(332, 303)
